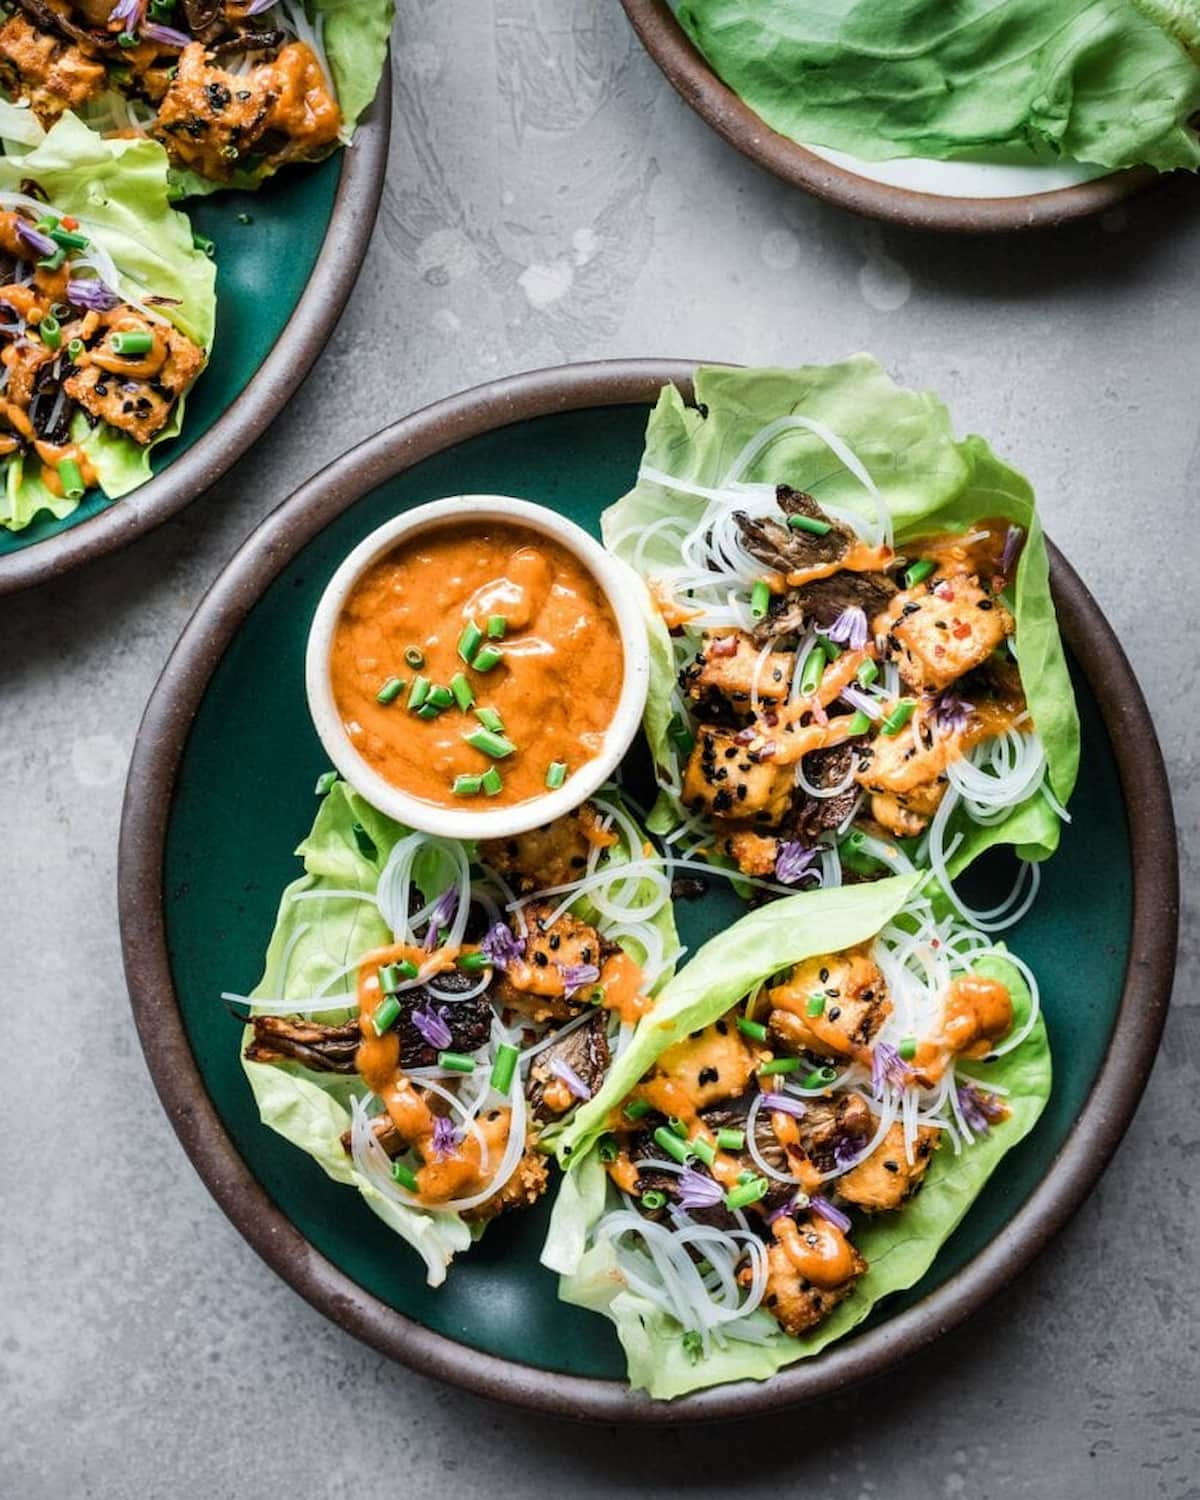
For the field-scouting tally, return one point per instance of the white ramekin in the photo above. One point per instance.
(621, 587)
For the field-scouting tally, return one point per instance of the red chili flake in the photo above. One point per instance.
(961, 630)
(725, 645)
(943, 590)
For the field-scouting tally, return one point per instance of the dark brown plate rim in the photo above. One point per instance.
(152, 776)
(355, 207)
(689, 73)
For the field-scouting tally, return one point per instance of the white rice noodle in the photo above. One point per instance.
(760, 1160)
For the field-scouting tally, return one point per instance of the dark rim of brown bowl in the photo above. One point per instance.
(688, 72)
(355, 206)
(156, 758)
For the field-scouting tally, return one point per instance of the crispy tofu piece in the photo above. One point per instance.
(535, 985)
(936, 636)
(906, 773)
(856, 1005)
(887, 1179)
(51, 73)
(792, 1299)
(729, 676)
(551, 855)
(722, 780)
(522, 1190)
(139, 407)
(894, 817)
(713, 1064)
(753, 853)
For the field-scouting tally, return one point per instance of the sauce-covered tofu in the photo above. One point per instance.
(47, 70)
(887, 1179)
(936, 634)
(829, 1005)
(723, 780)
(727, 668)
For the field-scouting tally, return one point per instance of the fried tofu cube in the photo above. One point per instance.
(906, 773)
(722, 780)
(731, 675)
(522, 1190)
(753, 853)
(887, 1179)
(935, 635)
(710, 1065)
(141, 408)
(554, 854)
(53, 75)
(797, 1301)
(854, 1000)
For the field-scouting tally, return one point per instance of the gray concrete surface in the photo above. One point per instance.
(549, 199)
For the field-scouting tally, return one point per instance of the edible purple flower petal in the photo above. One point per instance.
(166, 36)
(445, 1136)
(825, 1210)
(256, 7)
(793, 862)
(698, 1190)
(126, 13)
(850, 628)
(888, 1068)
(571, 1078)
(785, 1103)
(846, 1152)
(953, 713)
(431, 1024)
(978, 1108)
(1012, 546)
(865, 704)
(35, 239)
(502, 946)
(785, 1210)
(575, 976)
(91, 294)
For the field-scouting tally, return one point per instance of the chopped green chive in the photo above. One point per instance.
(760, 599)
(467, 786)
(497, 627)
(487, 658)
(461, 689)
(71, 476)
(473, 963)
(780, 1065)
(919, 572)
(127, 39)
(440, 697)
(326, 782)
(859, 724)
(752, 1028)
(814, 668)
(390, 691)
(414, 656)
(810, 524)
(392, 976)
(405, 1176)
(746, 1193)
(819, 1078)
(52, 263)
(606, 1148)
(556, 774)
(385, 1015)
(636, 1108)
(731, 1140)
(131, 341)
(202, 242)
(364, 841)
(493, 782)
(74, 349)
(676, 1126)
(456, 1062)
(671, 1144)
(469, 641)
(899, 716)
(654, 1199)
(504, 1066)
(428, 711)
(867, 672)
(908, 1048)
(69, 240)
(705, 1150)
(490, 743)
(490, 719)
(50, 331)
(816, 1004)
(693, 1345)
(418, 693)
(831, 649)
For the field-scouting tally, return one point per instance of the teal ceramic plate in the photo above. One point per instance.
(220, 792)
(282, 281)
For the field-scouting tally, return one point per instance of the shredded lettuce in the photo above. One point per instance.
(899, 1247)
(312, 943)
(929, 481)
(118, 191)
(1108, 82)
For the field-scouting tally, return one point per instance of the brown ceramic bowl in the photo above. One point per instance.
(161, 866)
(694, 80)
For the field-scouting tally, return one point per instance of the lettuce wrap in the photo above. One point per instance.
(899, 1246)
(118, 191)
(929, 481)
(313, 951)
(1114, 83)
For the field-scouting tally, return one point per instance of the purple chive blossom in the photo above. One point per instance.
(431, 1024)
(166, 36)
(792, 863)
(953, 713)
(575, 976)
(571, 1078)
(978, 1108)
(825, 1210)
(698, 1190)
(126, 13)
(850, 628)
(92, 294)
(865, 704)
(35, 239)
(846, 1152)
(785, 1103)
(888, 1067)
(445, 1136)
(441, 916)
(502, 946)
(256, 7)
(1012, 546)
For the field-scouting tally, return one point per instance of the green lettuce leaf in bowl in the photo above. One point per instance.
(118, 191)
(899, 1246)
(929, 481)
(1113, 83)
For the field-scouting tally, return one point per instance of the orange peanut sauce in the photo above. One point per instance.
(556, 687)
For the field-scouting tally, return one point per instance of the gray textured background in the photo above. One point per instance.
(549, 199)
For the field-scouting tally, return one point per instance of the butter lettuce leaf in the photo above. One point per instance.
(899, 1247)
(1108, 82)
